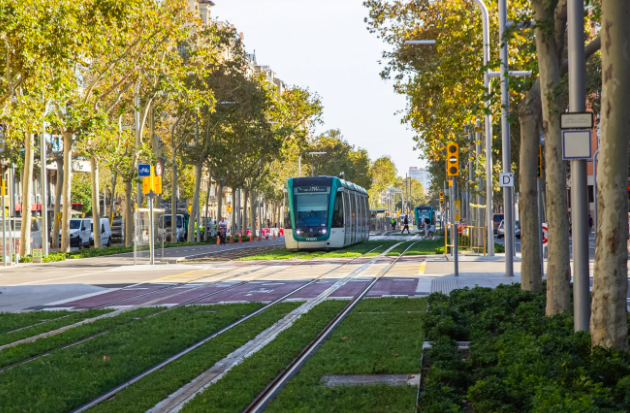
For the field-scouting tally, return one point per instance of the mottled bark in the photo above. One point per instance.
(195, 203)
(531, 277)
(245, 217)
(27, 191)
(66, 192)
(129, 213)
(174, 191)
(96, 209)
(558, 266)
(252, 205)
(233, 223)
(220, 202)
(609, 316)
(57, 208)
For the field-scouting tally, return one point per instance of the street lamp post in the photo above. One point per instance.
(312, 167)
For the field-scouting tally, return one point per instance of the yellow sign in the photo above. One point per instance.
(229, 209)
(157, 184)
(146, 184)
(457, 210)
(4, 191)
(152, 183)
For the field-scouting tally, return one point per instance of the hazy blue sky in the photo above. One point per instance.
(324, 45)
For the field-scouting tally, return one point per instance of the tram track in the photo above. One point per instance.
(111, 393)
(261, 401)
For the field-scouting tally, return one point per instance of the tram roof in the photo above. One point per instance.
(344, 183)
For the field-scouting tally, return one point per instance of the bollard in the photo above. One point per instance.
(455, 253)
(251, 238)
(240, 238)
(218, 240)
(273, 235)
(231, 240)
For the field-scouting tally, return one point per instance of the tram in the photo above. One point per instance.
(324, 213)
(425, 211)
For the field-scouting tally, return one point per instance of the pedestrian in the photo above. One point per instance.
(427, 223)
(393, 224)
(223, 226)
(406, 225)
(590, 223)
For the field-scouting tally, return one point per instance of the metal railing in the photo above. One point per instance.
(469, 238)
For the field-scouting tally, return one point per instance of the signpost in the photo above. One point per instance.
(37, 255)
(3, 192)
(151, 187)
(506, 180)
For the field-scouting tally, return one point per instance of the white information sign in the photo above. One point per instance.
(506, 179)
(582, 120)
(576, 144)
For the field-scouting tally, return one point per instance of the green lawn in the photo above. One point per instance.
(425, 247)
(352, 251)
(25, 350)
(277, 254)
(389, 342)
(233, 392)
(13, 321)
(73, 317)
(152, 389)
(400, 249)
(69, 377)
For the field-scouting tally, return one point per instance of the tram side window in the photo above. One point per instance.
(337, 218)
(353, 201)
(366, 216)
(346, 201)
(287, 212)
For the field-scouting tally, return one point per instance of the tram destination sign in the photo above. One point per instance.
(312, 189)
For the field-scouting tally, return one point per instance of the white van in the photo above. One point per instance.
(79, 232)
(180, 234)
(106, 233)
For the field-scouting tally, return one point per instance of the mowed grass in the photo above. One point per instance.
(147, 392)
(388, 342)
(425, 247)
(13, 321)
(399, 249)
(282, 253)
(73, 317)
(70, 377)
(234, 391)
(23, 351)
(384, 246)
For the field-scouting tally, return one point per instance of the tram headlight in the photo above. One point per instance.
(323, 231)
(297, 231)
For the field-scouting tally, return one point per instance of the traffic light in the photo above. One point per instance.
(452, 159)
(441, 198)
(539, 171)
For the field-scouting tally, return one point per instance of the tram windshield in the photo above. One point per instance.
(311, 204)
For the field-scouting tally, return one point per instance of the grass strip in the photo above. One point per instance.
(71, 377)
(399, 249)
(426, 247)
(277, 254)
(384, 343)
(23, 351)
(384, 246)
(74, 317)
(234, 391)
(154, 388)
(13, 321)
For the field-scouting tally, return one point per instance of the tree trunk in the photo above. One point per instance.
(129, 213)
(252, 212)
(96, 209)
(56, 209)
(195, 204)
(205, 206)
(531, 277)
(27, 191)
(609, 316)
(66, 192)
(174, 194)
(220, 202)
(245, 198)
(113, 197)
(558, 266)
(233, 211)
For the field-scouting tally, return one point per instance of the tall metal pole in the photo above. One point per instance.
(579, 197)
(151, 232)
(452, 214)
(42, 152)
(136, 125)
(4, 232)
(299, 166)
(505, 132)
(595, 156)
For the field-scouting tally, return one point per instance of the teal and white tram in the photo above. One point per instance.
(324, 212)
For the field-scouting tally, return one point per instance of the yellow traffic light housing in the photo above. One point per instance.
(441, 198)
(452, 159)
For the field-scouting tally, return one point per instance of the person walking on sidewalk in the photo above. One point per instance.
(406, 225)
(223, 226)
(393, 224)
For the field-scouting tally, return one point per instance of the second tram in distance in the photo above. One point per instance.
(324, 212)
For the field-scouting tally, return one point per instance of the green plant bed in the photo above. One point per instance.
(352, 251)
(520, 360)
(425, 247)
(234, 391)
(79, 373)
(388, 342)
(13, 321)
(276, 254)
(23, 351)
(74, 317)
(150, 390)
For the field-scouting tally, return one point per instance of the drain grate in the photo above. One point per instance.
(443, 286)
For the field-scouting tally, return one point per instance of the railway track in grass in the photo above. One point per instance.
(111, 393)
(261, 401)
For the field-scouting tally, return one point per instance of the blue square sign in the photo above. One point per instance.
(144, 170)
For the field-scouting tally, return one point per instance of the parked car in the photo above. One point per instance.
(118, 230)
(14, 231)
(106, 233)
(80, 230)
(496, 220)
(501, 229)
(180, 235)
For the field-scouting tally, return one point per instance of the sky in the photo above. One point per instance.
(324, 45)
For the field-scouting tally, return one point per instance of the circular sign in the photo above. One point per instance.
(545, 233)
(158, 170)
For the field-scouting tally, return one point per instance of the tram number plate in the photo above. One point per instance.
(311, 239)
